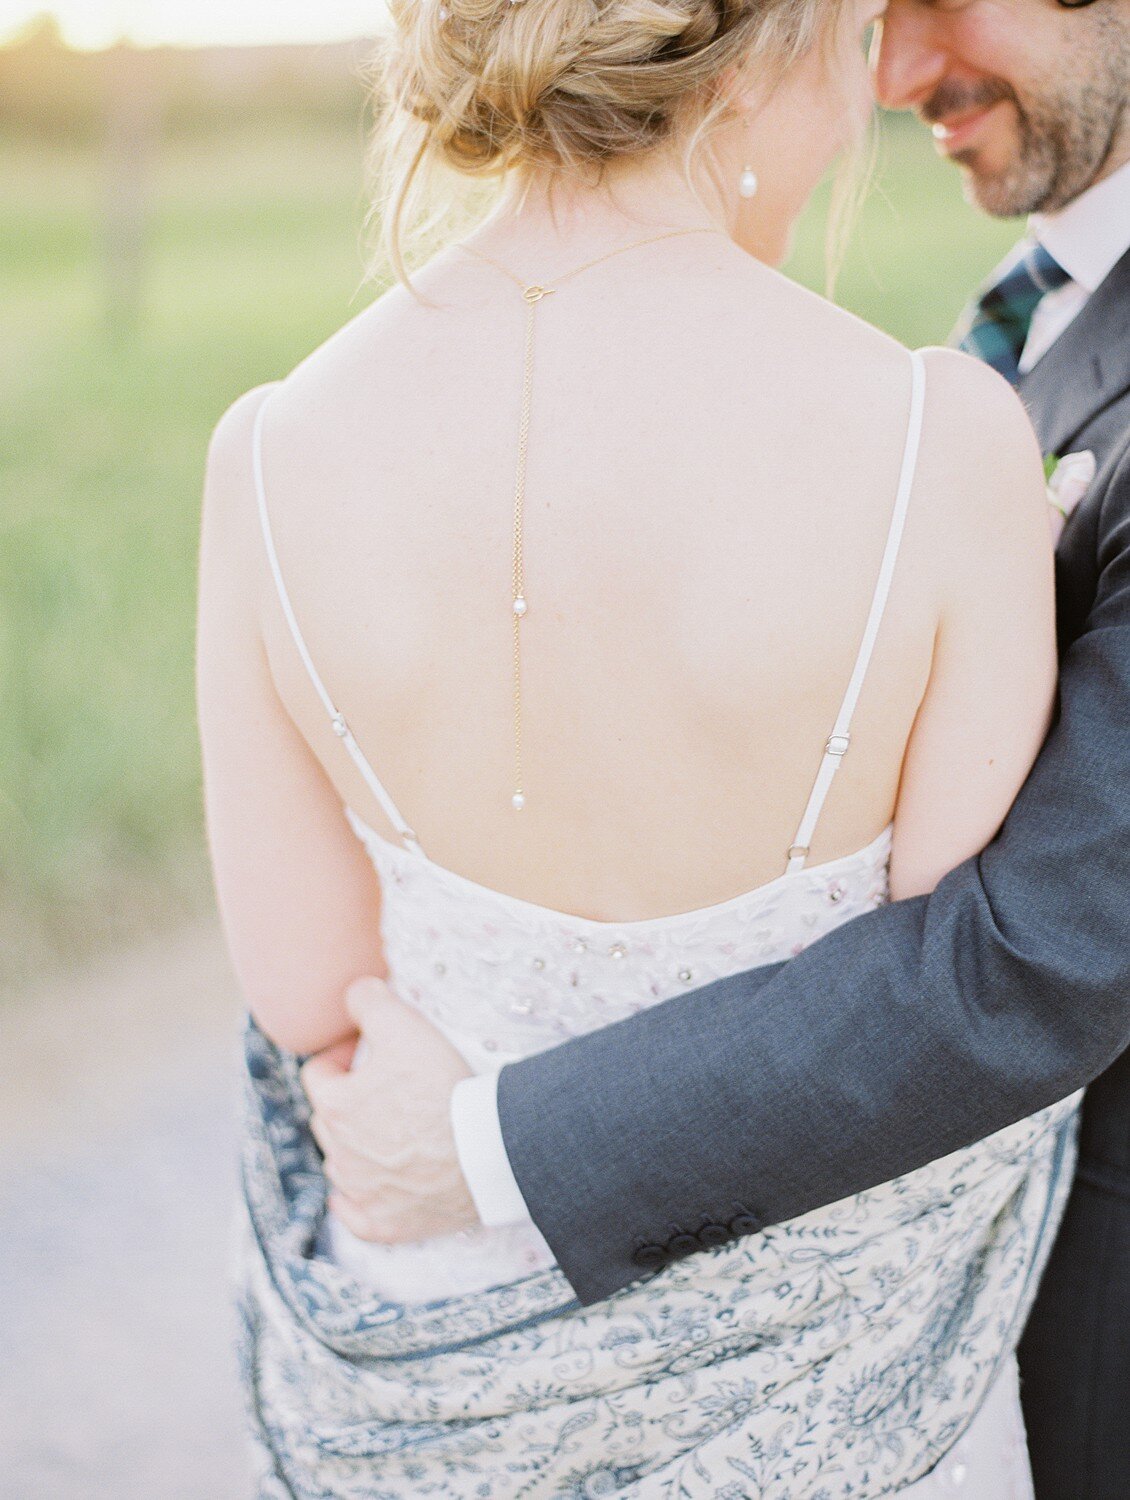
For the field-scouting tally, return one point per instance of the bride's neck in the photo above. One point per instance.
(551, 216)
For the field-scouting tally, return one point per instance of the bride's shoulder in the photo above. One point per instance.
(229, 467)
(334, 362)
(326, 383)
(978, 463)
(979, 516)
(960, 384)
(978, 449)
(980, 454)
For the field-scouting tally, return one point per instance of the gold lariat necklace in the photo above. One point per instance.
(532, 294)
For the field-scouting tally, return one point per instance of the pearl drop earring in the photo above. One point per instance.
(747, 183)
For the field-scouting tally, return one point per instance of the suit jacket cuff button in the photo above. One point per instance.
(744, 1224)
(682, 1244)
(648, 1257)
(713, 1234)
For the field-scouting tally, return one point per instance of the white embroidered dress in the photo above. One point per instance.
(862, 1350)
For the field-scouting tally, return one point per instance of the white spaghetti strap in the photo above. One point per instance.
(337, 718)
(840, 739)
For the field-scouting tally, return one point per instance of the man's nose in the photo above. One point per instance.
(907, 61)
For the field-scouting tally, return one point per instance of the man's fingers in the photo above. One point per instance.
(363, 999)
(341, 1053)
(323, 1136)
(349, 1174)
(356, 1219)
(321, 1076)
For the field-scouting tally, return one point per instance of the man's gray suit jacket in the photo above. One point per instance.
(916, 1029)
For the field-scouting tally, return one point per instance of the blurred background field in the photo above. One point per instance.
(249, 179)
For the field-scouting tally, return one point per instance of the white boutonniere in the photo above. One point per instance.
(1068, 478)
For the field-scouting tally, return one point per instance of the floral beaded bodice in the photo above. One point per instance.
(504, 978)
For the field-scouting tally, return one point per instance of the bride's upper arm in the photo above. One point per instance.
(298, 897)
(991, 688)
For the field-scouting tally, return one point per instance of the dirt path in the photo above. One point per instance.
(117, 1170)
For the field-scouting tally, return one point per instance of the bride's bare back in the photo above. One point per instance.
(713, 459)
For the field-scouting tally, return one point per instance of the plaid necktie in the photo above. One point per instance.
(996, 329)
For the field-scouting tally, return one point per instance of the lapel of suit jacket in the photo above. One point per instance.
(1086, 369)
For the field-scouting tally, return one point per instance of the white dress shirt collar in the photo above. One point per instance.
(1091, 235)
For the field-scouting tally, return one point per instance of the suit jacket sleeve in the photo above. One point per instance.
(906, 1034)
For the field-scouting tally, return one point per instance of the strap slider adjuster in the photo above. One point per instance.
(838, 745)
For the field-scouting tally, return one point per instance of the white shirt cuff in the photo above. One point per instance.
(482, 1152)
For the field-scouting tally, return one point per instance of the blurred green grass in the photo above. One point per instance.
(254, 256)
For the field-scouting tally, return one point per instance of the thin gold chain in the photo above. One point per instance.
(532, 294)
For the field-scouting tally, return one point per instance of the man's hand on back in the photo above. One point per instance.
(384, 1126)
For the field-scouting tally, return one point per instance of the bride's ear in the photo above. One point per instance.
(738, 90)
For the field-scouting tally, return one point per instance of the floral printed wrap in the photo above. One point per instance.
(837, 1356)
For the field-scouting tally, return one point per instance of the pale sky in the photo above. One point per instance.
(97, 23)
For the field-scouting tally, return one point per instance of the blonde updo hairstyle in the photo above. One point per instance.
(484, 89)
